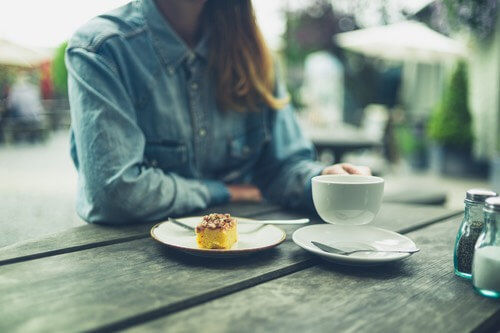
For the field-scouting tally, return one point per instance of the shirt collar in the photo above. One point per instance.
(170, 46)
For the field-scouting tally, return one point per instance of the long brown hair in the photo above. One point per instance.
(239, 57)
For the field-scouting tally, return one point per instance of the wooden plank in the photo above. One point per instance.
(419, 294)
(113, 286)
(391, 216)
(406, 218)
(93, 235)
(398, 217)
(87, 289)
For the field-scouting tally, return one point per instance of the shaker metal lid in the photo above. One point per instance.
(492, 204)
(479, 195)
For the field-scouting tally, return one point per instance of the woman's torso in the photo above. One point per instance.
(173, 97)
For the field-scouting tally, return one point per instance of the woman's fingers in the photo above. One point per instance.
(356, 169)
(335, 169)
(346, 169)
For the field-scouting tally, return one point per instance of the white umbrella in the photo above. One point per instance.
(17, 55)
(402, 41)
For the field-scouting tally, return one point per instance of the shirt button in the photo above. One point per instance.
(190, 58)
(154, 163)
(194, 85)
(171, 70)
(246, 150)
(202, 132)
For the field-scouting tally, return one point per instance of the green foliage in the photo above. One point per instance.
(479, 16)
(451, 121)
(59, 72)
(7, 75)
(308, 29)
(408, 142)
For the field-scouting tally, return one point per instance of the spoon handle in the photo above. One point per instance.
(382, 251)
(180, 224)
(294, 221)
(331, 249)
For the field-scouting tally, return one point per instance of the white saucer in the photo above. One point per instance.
(251, 238)
(354, 237)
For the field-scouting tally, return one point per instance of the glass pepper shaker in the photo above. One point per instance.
(470, 229)
(486, 262)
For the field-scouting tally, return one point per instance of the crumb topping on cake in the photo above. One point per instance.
(216, 221)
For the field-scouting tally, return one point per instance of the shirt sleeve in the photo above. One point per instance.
(287, 164)
(115, 185)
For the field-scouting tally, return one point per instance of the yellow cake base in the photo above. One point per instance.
(217, 238)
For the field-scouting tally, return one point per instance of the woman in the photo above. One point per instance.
(176, 107)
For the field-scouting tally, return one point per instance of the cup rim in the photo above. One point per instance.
(326, 179)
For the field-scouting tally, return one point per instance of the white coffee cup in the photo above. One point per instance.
(347, 199)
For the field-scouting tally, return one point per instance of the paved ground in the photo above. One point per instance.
(37, 186)
(38, 181)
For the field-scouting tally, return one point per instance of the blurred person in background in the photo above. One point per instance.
(46, 85)
(24, 104)
(176, 106)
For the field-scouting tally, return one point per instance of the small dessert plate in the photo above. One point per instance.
(354, 237)
(251, 238)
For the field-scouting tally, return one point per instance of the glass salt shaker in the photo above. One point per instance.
(470, 229)
(486, 262)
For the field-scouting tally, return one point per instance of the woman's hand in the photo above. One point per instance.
(244, 193)
(346, 169)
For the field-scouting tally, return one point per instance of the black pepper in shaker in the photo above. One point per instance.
(469, 231)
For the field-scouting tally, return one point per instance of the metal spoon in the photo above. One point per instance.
(245, 221)
(293, 221)
(180, 224)
(192, 229)
(334, 250)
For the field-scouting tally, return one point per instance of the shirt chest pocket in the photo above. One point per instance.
(170, 157)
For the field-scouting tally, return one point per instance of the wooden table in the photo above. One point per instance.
(95, 278)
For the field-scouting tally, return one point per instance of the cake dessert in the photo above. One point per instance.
(216, 231)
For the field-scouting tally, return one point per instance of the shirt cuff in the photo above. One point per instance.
(219, 194)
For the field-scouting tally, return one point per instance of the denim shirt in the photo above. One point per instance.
(147, 137)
